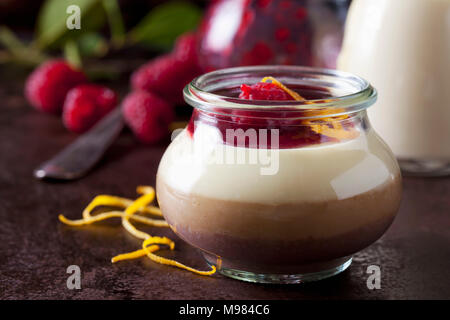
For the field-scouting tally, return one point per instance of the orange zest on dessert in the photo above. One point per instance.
(150, 244)
(337, 131)
(322, 125)
(290, 92)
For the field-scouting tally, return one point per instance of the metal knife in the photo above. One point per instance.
(78, 158)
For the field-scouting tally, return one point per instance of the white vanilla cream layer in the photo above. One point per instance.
(315, 173)
(403, 48)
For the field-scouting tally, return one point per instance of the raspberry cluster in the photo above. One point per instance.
(57, 87)
(167, 75)
(158, 85)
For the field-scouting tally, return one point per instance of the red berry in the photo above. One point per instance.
(147, 115)
(185, 50)
(47, 86)
(263, 91)
(165, 76)
(169, 74)
(85, 105)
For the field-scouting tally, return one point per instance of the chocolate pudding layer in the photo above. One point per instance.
(280, 237)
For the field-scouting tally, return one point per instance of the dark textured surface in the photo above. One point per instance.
(414, 255)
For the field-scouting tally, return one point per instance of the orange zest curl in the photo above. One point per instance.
(150, 249)
(322, 125)
(290, 92)
(337, 130)
(150, 244)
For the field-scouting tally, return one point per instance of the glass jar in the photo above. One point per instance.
(279, 191)
(261, 32)
(403, 48)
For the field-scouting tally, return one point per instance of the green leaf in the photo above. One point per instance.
(72, 54)
(9, 40)
(115, 21)
(165, 22)
(51, 25)
(92, 44)
(17, 49)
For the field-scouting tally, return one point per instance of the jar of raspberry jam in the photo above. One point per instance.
(285, 188)
(262, 32)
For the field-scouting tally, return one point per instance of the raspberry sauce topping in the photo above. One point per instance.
(291, 132)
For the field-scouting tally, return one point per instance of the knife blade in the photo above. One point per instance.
(78, 158)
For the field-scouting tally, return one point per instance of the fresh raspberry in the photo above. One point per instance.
(186, 51)
(167, 75)
(85, 105)
(47, 86)
(263, 91)
(147, 115)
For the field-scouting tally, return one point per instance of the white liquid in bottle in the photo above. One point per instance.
(403, 48)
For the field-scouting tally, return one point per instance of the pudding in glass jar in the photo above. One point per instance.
(279, 191)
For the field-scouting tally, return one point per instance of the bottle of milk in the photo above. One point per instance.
(403, 48)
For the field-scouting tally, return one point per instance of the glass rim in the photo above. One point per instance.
(362, 95)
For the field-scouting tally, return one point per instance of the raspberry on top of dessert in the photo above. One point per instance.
(297, 128)
(273, 90)
(263, 91)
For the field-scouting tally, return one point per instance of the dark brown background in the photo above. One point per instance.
(35, 249)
